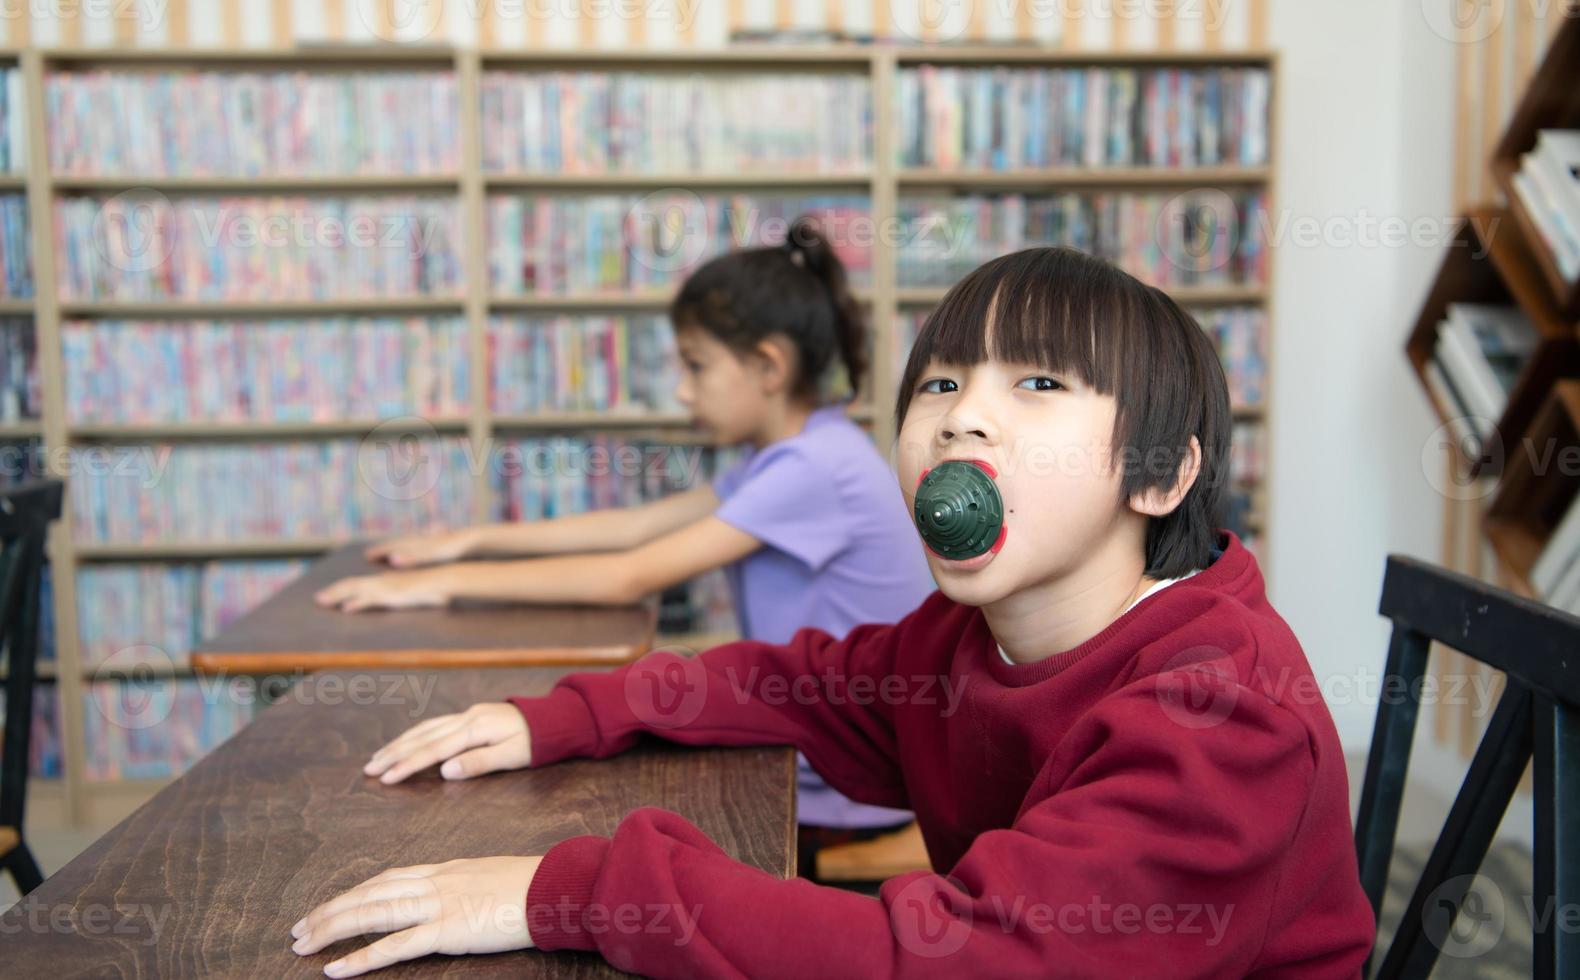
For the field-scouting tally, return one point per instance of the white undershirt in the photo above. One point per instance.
(1157, 587)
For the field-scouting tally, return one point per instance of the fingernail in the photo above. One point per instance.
(450, 770)
(335, 969)
(299, 945)
(296, 930)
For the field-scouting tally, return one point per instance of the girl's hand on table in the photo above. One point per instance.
(422, 549)
(389, 590)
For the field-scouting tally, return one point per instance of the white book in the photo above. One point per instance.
(1457, 357)
(1468, 440)
(1557, 156)
(1499, 340)
(1540, 211)
(1565, 592)
(1562, 547)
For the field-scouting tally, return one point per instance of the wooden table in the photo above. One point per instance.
(290, 632)
(207, 878)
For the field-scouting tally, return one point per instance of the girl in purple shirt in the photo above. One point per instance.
(810, 526)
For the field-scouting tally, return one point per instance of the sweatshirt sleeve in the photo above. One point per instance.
(816, 693)
(1152, 858)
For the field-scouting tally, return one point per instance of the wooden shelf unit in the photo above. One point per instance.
(1498, 256)
(1551, 101)
(883, 181)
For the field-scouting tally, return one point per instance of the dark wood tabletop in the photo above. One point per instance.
(290, 632)
(207, 878)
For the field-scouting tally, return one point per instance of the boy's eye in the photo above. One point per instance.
(936, 386)
(1041, 383)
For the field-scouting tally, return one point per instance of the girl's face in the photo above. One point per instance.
(1047, 437)
(727, 394)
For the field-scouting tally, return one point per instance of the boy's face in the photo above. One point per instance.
(1048, 438)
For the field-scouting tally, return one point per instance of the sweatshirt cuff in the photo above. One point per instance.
(561, 891)
(559, 724)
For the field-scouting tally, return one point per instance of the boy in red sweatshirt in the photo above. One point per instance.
(1104, 729)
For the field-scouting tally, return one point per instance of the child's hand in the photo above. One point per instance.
(472, 906)
(422, 549)
(389, 590)
(482, 739)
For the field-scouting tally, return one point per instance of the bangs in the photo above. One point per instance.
(1059, 309)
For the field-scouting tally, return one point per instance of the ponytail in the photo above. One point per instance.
(797, 289)
(806, 242)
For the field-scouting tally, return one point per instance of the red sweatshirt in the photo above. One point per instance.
(1166, 799)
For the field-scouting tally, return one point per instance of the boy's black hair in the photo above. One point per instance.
(797, 290)
(1077, 315)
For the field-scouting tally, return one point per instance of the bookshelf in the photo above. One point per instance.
(1498, 256)
(883, 183)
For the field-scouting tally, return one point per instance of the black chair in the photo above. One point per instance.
(1537, 720)
(26, 512)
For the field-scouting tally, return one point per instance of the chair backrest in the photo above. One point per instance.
(1536, 721)
(26, 511)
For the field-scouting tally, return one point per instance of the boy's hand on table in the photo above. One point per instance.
(389, 590)
(422, 549)
(476, 905)
(484, 738)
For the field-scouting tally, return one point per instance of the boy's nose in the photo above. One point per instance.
(957, 425)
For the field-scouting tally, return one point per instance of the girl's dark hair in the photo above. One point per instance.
(1077, 315)
(797, 289)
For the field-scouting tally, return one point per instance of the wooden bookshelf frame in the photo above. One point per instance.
(78, 799)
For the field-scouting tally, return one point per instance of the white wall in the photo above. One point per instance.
(1368, 129)
(1366, 138)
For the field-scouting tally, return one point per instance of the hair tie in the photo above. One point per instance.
(795, 252)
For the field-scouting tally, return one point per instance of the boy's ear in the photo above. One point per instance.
(774, 363)
(1157, 502)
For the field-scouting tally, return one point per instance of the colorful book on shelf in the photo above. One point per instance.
(297, 370)
(1195, 238)
(13, 121)
(580, 244)
(1011, 118)
(638, 122)
(131, 615)
(582, 363)
(152, 122)
(242, 247)
(292, 490)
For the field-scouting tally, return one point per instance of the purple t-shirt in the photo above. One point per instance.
(839, 550)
